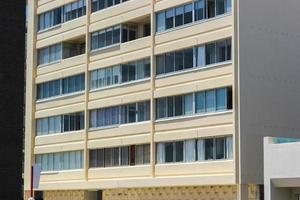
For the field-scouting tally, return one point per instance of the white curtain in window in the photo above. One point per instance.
(94, 118)
(201, 56)
(201, 150)
(56, 162)
(161, 153)
(190, 150)
(72, 155)
(188, 104)
(229, 147)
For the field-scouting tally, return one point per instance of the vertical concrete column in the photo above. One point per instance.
(242, 192)
(87, 88)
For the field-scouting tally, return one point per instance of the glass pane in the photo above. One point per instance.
(188, 13)
(199, 10)
(66, 161)
(221, 51)
(179, 151)
(161, 108)
(139, 155)
(116, 75)
(188, 104)
(169, 152)
(109, 37)
(209, 149)
(178, 105)
(132, 113)
(72, 159)
(211, 4)
(94, 80)
(51, 125)
(188, 58)
(221, 99)
(221, 7)
(108, 157)
(125, 156)
(102, 39)
(94, 40)
(200, 56)
(140, 70)
(116, 156)
(190, 150)
(146, 155)
(116, 35)
(210, 100)
(179, 16)
(178, 60)
(50, 162)
(171, 106)
(169, 19)
(93, 158)
(160, 21)
(170, 62)
(160, 64)
(210, 54)
(132, 71)
(100, 158)
(39, 126)
(147, 67)
(229, 147)
(220, 148)
(200, 150)
(160, 153)
(228, 49)
(125, 73)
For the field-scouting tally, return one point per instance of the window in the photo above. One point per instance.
(199, 10)
(105, 38)
(59, 87)
(50, 54)
(102, 4)
(120, 74)
(120, 156)
(60, 161)
(124, 114)
(199, 56)
(184, 14)
(169, 18)
(49, 19)
(195, 150)
(129, 32)
(205, 101)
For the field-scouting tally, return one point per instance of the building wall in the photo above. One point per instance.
(206, 173)
(12, 40)
(268, 78)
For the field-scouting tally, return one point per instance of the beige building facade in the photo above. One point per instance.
(149, 99)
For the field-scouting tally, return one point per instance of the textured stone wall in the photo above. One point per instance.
(173, 193)
(65, 195)
(161, 193)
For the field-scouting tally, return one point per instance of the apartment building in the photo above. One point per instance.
(158, 99)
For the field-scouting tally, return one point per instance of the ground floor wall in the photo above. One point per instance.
(226, 192)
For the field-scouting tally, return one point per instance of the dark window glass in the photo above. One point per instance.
(160, 64)
(188, 13)
(170, 62)
(93, 158)
(221, 51)
(109, 37)
(178, 106)
(178, 60)
(125, 73)
(116, 156)
(169, 152)
(169, 19)
(132, 155)
(179, 16)
(210, 51)
(220, 148)
(211, 6)
(209, 149)
(100, 157)
(108, 157)
(161, 107)
(179, 151)
(116, 35)
(188, 58)
(221, 7)
(170, 103)
(200, 102)
(199, 10)
(132, 113)
(125, 156)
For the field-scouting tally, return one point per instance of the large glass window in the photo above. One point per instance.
(120, 74)
(199, 102)
(49, 19)
(60, 124)
(215, 148)
(120, 156)
(60, 161)
(105, 38)
(124, 114)
(199, 56)
(184, 14)
(50, 54)
(102, 4)
(59, 87)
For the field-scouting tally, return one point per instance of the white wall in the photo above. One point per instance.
(269, 69)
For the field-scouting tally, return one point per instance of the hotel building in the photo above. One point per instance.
(158, 99)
